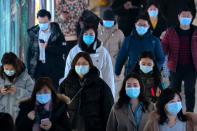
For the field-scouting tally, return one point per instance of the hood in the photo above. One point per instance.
(92, 49)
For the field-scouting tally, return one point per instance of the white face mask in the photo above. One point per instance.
(9, 72)
(146, 69)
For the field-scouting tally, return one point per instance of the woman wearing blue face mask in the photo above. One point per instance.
(15, 83)
(169, 115)
(150, 76)
(89, 43)
(44, 110)
(91, 98)
(157, 21)
(131, 111)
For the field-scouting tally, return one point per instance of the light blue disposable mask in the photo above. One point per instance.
(82, 70)
(108, 23)
(44, 26)
(88, 39)
(133, 92)
(153, 13)
(141, 30)
(185, 21)
(9, 72)
(146, 69)
(174, 108)
(43, 98)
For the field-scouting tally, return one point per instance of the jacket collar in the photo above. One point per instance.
(34, 32)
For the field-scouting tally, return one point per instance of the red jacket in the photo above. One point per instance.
(171, 43)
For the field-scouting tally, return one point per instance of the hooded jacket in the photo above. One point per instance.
(101, 59)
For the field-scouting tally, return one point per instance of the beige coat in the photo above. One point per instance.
(111, 39)
(123, 120)
(153, 124)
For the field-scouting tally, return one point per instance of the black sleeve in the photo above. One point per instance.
(57, 48)
(61, 121)
(107, 101)
(22, 122)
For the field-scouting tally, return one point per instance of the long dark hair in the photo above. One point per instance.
(11, 59)
(166, 96)
(40, 83)
(7, 122)
(86, 56)
(92, 48)
(155, 73)
(124, 99)
(160, 15)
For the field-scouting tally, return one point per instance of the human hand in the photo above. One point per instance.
(31, 115)
(11, 90)
(3, 91)
(128, 5)
(46, 124)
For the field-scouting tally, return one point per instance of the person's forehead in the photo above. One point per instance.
(185, 13)
(142, 21)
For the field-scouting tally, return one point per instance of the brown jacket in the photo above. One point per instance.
(123, 120)
(112, 39)
(153, 124)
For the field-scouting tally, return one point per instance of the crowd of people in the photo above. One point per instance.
(112, 76)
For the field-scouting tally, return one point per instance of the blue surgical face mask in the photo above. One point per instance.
(146, 69)
(133, 92)
(44, 26)
(82, 70)
(43, 98)
(108, 23)
(88, 39)
(174, 108)
(9, 72)
(141, 30)
(153, 13)
(185, 21)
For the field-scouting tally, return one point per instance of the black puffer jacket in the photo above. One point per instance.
(55, 50)
(93, 103)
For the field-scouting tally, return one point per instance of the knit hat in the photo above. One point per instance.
(108, 15)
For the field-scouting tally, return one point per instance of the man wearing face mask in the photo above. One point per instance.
(139, 41)
(46, 49)
(180, 45)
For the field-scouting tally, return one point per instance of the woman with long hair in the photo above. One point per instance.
(45, 110)
(15, 83)
(169, 115)
(131, 111)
